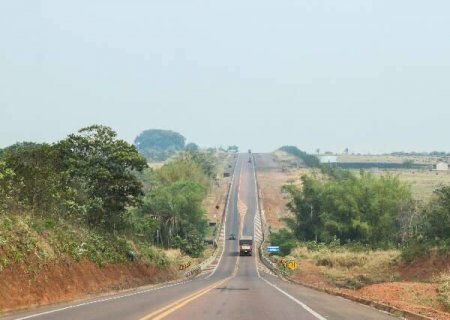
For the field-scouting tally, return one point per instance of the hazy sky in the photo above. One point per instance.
(373, 76)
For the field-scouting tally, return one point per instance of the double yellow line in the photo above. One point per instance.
(165, 311)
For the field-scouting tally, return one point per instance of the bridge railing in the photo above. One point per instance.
(265, 231)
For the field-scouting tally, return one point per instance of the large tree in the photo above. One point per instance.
(178, 208)
(158, 145)
(37, 183)
(103, 167)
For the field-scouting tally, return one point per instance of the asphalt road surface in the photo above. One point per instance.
(235, 289)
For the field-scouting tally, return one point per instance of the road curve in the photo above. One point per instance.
(236, 289)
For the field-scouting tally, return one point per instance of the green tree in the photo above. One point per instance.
(305, 203)
(430, 229)
(159, 145)
(308, 159)
(360, 208)
(6, 186)
(103, 166)
(192, 147)
(436, 218)
(178, 209)
(233, 149)
(205, 161)
(182, 170)
(38, 182)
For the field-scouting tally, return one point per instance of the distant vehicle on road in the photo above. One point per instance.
(246, 246)
(232, 236)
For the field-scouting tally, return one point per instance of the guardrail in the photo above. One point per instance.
(205, 263)
(264, 228)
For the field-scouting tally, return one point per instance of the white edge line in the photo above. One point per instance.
(304, 306)
(100, 300)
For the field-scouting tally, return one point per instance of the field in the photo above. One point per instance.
(388, 159)
(423, 182)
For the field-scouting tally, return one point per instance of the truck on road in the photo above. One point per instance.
(246, 245)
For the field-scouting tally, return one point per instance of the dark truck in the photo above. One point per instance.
(246, 245)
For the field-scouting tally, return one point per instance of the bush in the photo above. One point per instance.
(193, 245)
(443, 281)
(415, 248)
(347, 268)
(285, 239)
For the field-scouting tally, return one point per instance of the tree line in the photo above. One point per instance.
(171, 212)
(335, 205)
(94, 178)
(308, 159)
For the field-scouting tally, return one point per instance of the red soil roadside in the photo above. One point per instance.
(68, 280)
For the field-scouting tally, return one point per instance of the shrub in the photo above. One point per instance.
(443, 281)
(193, 245)
(285, 239)
(415, 248)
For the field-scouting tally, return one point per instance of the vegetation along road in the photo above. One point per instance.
(235, 289)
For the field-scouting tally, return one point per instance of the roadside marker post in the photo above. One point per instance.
(292, 264)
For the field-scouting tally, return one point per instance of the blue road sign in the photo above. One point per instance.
(273, 249)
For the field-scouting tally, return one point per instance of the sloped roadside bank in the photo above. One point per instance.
(44, 260)
(69, 280)
(397, 298)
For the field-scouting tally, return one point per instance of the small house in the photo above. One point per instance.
(442, 166)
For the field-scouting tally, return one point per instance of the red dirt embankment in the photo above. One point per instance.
(417, 297)
(68, 280)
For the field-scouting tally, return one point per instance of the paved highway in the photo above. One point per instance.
(235, 289)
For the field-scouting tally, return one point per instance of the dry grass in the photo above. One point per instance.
(443, 281)
(387, 159)
(349, 269)
(422, 182)
(274, 201)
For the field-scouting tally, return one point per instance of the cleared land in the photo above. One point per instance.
(273, 172)
(388, 159)
(423, 182)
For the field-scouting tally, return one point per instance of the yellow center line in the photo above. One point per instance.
(165, 311)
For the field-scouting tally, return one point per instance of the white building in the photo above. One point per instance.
(328, 159)
(442, 166)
